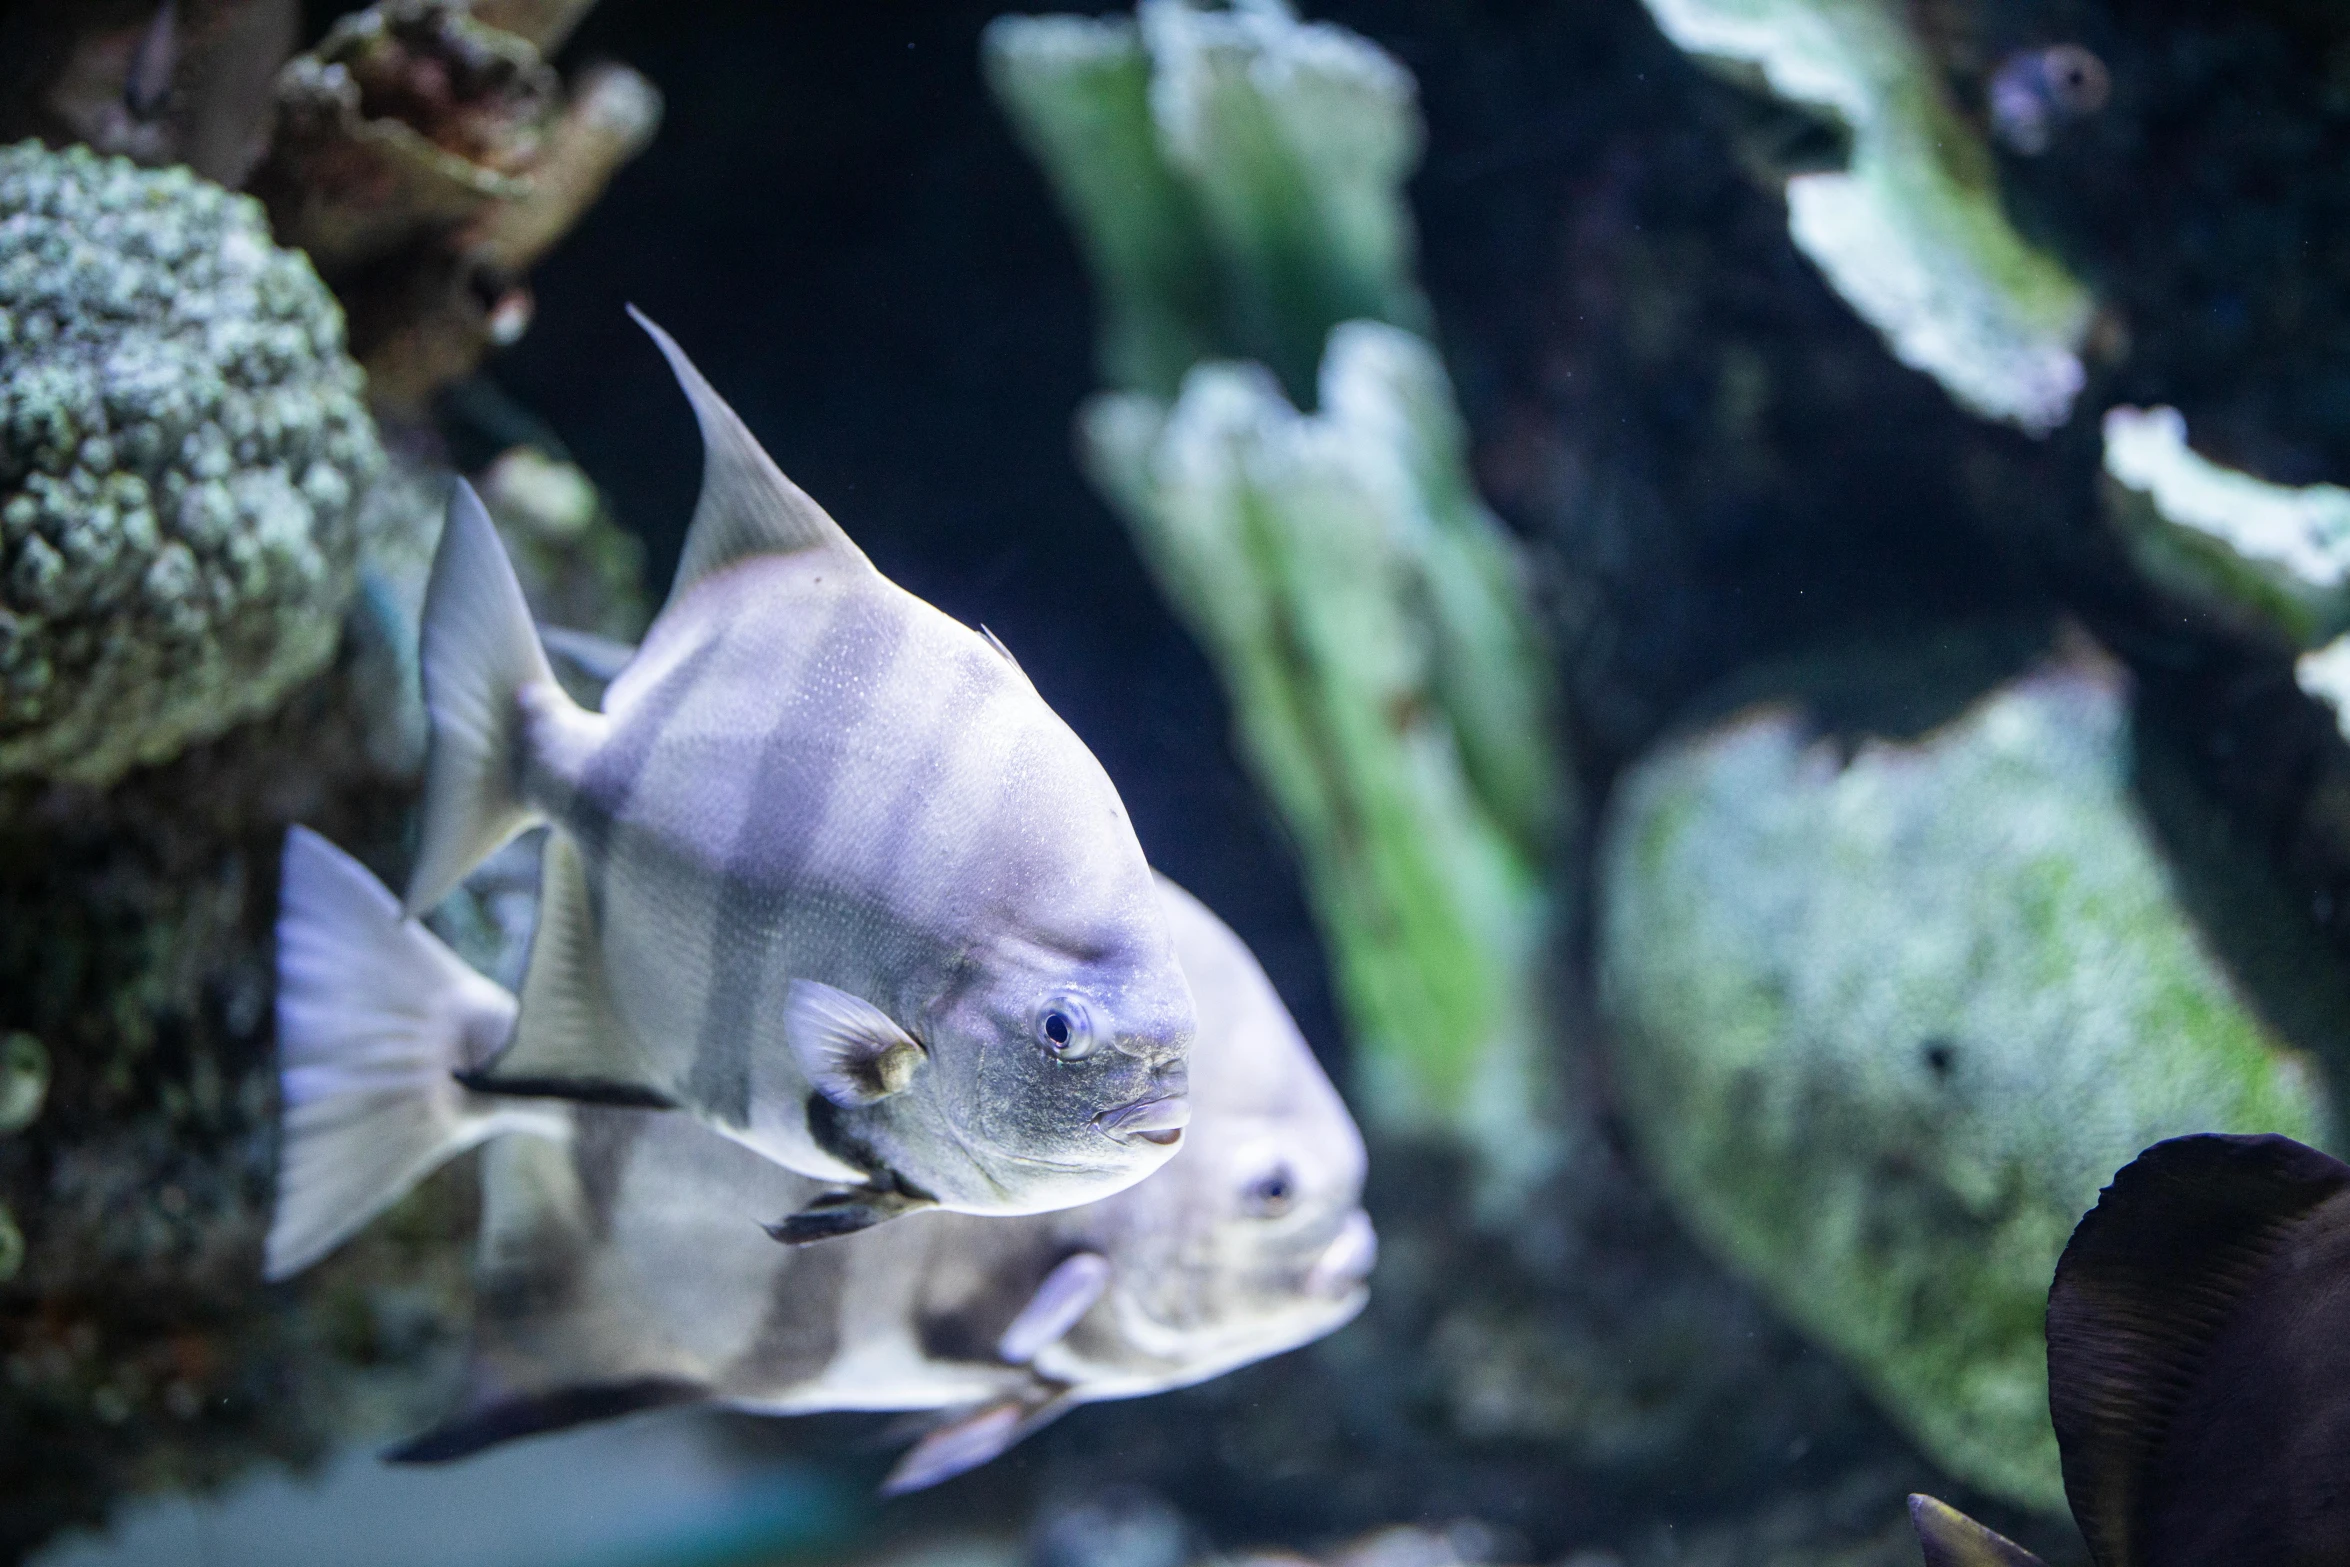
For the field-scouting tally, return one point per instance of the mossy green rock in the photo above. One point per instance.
(1887, 1018)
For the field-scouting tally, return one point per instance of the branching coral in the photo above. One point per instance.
(1388, 689)
(182, 450)
(425, 159)
(2270, 560)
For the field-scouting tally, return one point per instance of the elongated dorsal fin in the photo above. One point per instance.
(2178, 1258)
(747, 507)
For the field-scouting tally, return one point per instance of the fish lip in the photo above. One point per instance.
(1346, 1263)
(1155, 1118)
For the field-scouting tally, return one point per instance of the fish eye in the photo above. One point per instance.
(1065, 1028)
(1271, 1194)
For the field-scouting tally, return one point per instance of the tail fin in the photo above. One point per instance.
(480, 651)
(373, 1014)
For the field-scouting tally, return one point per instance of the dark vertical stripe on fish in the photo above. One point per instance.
(807, 761)
(617, 769)
(799, 1334)
(602, 1143)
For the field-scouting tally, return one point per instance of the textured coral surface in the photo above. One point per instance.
(182, 451)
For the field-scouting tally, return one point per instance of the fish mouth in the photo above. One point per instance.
(1158, 1119)
(1347, 1261)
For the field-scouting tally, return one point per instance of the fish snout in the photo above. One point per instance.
(1155, 1048)
(1347, 1261)
(1158, 1117)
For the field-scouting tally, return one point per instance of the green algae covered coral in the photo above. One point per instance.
(183, 448)
(1888, 1018)
(1911, 233)
(1234, 174)
(1390, 691)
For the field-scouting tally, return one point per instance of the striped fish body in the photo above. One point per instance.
(626, 1265)
(827, 872)
(809, 774)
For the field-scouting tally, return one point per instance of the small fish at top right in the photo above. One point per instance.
(2198, 1366)
(2036, 91)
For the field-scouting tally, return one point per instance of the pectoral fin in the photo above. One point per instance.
(849, 1048)
(971, 1439)
(1951, 1539)
(1067, 1294)
(570, 1042)
(845, 1213)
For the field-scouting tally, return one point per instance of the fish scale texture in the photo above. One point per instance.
(183, 447)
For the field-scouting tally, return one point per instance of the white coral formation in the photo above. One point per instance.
(2273, 559)
(1911, 233)
(183, 447)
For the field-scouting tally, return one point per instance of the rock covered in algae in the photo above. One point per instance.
(1389, 690)
(183, 448)
(1236, 176)
(1911, 232)
(1888, 1018)
(2271, 560)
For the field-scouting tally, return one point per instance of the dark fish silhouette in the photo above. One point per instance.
(2199, 1365)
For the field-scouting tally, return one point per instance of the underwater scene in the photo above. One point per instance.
(1197, 783)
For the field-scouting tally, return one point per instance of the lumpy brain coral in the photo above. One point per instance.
(183, 448)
